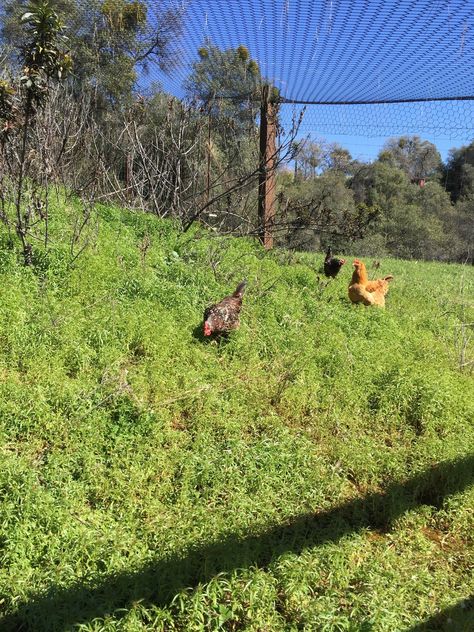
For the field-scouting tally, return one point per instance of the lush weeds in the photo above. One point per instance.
(312, 472)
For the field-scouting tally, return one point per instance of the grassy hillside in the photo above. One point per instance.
(314, 472)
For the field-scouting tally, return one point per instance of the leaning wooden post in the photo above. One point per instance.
(268, 158)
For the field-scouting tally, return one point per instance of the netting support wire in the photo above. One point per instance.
(285, 101)
(376, 102)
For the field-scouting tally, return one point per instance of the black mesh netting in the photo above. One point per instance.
(340, 53)
(335, 51)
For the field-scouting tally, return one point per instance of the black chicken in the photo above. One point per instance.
(223, 317)
(332, 265)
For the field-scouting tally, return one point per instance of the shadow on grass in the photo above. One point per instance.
(158, 582)
(458, 618)
(198, 334)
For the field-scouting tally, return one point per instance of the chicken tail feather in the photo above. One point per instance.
(239, 292)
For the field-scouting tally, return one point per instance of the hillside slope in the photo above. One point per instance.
(314, 472)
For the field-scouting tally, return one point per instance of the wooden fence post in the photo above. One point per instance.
(208, 157)
(268, 158)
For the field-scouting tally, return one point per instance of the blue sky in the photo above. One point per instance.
(349, 50)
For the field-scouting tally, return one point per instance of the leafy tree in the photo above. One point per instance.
(309, 156)
(433, 200)
(111, 40)
(417, 158)
(385, 185)
(409, 235)
(462, 248)
(409, 224)
(314, 157)
(322, 209)
(226, 85)
(227, 82)
(458, 173)
(337, 158)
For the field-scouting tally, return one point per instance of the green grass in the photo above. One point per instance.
(314, 472)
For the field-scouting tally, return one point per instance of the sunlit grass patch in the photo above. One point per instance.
(309, 473)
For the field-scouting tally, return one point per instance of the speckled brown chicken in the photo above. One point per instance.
(224, 316)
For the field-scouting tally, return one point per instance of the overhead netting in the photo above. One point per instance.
(338, 51)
